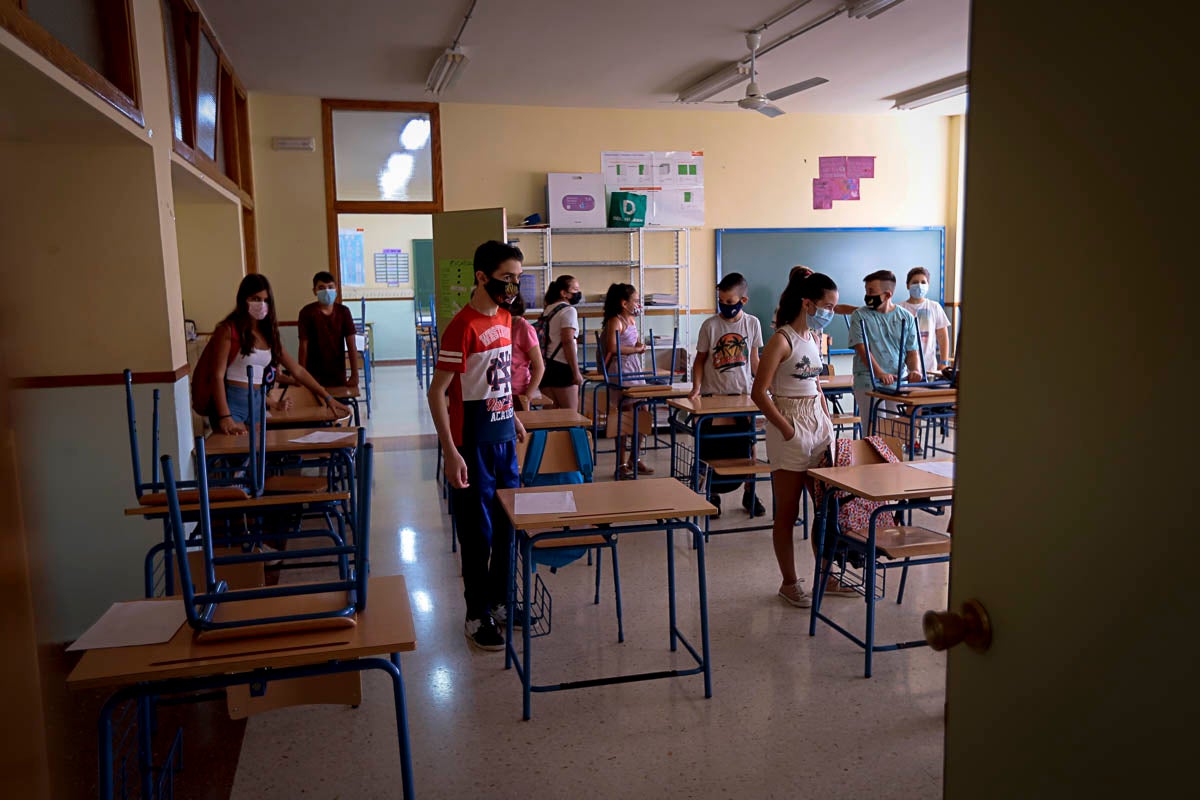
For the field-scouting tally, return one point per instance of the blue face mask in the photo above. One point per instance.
(729, 310)
(918, 291)
(819, 320)
(326, 297)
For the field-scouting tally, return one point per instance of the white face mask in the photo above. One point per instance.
(258, 309)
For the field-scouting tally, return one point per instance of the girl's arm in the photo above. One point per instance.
(537, 368)
(609, 335)
(777, 349)
(943, 343)
(568, 347)
(309, 382)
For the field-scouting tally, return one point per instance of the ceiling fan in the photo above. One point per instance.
(755, 100)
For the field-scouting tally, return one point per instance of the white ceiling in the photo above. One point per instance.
(610, 54)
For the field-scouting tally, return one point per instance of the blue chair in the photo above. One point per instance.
(563, 458)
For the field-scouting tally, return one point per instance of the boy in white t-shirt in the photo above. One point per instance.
(726, 360)
(932, 322)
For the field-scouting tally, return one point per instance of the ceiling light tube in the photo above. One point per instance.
(446, 70)
(715, 83)
(932, 92)
(869, 8)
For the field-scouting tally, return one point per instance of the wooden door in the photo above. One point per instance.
(1075, 468)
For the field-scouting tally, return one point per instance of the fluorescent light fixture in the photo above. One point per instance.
(446, 70)
(870, 9)
(933, 92)
(715, 83)
(415, 134)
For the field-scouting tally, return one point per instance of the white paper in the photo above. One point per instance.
(133, 623)
(672, 180)
(631, 169)
(545, 503)
(321, 437)
(944, 469)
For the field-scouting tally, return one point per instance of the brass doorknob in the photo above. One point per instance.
(944, 629)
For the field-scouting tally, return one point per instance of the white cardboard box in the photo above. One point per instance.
(575, 200)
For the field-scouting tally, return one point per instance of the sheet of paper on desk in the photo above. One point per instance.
(133, 623)
(321, 437)
(545, 503)
(943, 468)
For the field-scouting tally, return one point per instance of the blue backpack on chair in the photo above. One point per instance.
(530, 476)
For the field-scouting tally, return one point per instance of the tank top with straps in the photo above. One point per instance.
(798, 372)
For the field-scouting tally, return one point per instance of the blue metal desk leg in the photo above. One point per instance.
(406, 777)
(526, 655)
(819, 573)
(870, 587)
(671, 585)
(145, 725)
(703, 582)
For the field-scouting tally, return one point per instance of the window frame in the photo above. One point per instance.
(334, 207)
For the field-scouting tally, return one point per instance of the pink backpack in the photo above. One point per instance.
(854, 513)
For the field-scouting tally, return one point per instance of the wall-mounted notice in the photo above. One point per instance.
(456, 279)
(350, 256)
(672, 180)
(860, 166)
(839, 179)
(391, 268)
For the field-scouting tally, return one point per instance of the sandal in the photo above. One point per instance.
(625, 471)
(644, 467)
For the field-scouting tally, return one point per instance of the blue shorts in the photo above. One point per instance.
(238, 400)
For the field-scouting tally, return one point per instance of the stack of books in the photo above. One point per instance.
(661, 299)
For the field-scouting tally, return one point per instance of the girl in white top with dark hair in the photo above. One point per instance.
(799, 428)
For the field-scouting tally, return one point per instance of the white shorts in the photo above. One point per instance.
(814, 434)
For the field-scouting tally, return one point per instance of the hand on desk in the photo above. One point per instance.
(887, 379)
(915, 377)
(338, 409)
(285, 404)
(230, 426)
(694, 395)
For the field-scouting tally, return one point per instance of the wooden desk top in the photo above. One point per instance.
(386, 626)
(343, 392)
(837, 382)
(657, 390)
(644, 500)
(278, 441)
(551, 418)
(717, 404)
(921, 397)
(306, 409)
(883, 482)
(247, 504)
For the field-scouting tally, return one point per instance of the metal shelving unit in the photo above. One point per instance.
(538, 246)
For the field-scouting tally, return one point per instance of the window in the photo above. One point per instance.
(208, 104)
(90, 40)
(381, 158)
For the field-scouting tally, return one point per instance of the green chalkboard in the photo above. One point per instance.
(766, 256)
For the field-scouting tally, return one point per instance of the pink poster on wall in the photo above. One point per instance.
(832, 166)
(822, 197)
(860, 166)
(844, 188)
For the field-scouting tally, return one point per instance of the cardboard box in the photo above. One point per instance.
(575, 199)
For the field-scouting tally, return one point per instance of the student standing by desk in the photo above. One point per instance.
(326, 330)
(932, 322)
(731, 339)
(799, 428)
(248, 337)
(476, 428)
(893, 335)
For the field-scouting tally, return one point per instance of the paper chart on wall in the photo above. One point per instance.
(672, 180)
(455, 280)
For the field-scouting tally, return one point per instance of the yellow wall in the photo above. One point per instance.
(289, 197)
(758, 171)
(210, 259)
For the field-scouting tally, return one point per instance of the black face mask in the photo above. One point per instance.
(502, 291)
(873, 300)
(729, 310)
(575, 298)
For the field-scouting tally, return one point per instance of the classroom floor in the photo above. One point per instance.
(790, 715)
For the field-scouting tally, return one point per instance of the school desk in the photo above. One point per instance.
(347, 395)
(834, 387)
(659, 504)
(306, 410)
(901, 487)
(633, 398)
(186, 665)
(920, 404)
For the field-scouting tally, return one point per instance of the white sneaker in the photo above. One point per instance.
(793, 595)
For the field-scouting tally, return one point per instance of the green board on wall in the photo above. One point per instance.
(423, 278)
(766, 256)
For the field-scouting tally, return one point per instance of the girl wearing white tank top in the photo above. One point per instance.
(799, 428)
(257, 333)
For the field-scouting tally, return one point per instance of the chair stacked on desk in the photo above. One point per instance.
(426, 341)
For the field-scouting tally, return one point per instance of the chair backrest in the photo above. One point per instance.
(141, 487)
(861, 451)
(555, 457)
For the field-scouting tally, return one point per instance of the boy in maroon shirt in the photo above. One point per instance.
(326, 334)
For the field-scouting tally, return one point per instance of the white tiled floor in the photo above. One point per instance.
(790, 716)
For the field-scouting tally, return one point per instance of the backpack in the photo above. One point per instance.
(542, 328)
(202, 380)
